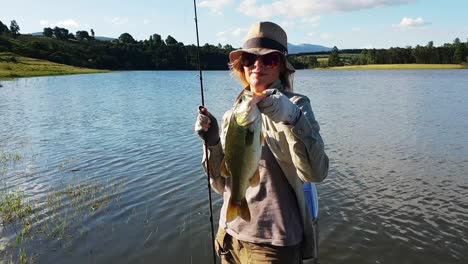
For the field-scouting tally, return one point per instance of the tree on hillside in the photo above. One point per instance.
(3, 28)
(171, 41)
(431, 53)
(459, 55)
(228, 47)
(82, 35)
(334, 58)
(126, 38)
(92, 33)
(157, 40)
(14, 28)
(60, 33)
(48, 32)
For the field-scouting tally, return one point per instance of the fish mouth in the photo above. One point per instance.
(247, 118)
(245, 124)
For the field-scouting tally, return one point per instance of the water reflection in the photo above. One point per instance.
(397, 141)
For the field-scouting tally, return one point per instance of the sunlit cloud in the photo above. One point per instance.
(231, 36)
(221, 36)
(239, 32)
(117, 21)
(325, 36)
(311, 20)
(216, 6)
(303, 8)
(407, 22)
(288, 23)
(68, 23)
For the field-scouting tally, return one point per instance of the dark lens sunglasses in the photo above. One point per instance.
(269, 60)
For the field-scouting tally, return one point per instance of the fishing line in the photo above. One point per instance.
(206, 148)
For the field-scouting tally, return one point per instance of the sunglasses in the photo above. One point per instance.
(269, 60)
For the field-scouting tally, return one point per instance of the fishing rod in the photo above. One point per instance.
(206, 148)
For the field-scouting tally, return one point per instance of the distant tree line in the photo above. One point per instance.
(449, 53)
(125, 53)
(454, 53)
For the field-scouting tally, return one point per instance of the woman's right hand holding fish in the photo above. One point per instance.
(207, 127)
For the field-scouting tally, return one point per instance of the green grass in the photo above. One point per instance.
(14, 207)
(57, 216)
(15, 66)
(400, 66)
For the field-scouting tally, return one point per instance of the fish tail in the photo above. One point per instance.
(235, 210)
(244, 210)
(232, 210)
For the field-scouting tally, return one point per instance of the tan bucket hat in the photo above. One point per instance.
(264, 38)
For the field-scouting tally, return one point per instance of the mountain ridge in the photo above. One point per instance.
(304, 48)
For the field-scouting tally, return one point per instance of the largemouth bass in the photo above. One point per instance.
(242, 149)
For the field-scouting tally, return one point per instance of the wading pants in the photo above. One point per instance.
(233, 251)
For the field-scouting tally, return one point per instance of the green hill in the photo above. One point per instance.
(14, 66)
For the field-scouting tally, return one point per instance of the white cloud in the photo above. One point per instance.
(117, 21)
(239, 32)
(325, 36)
(146, 21)
(288, 23)
(303, 8)
(232, 35)
(216, 6)
(407, 22)
(356, 29)
(311, 20)
(67, 23)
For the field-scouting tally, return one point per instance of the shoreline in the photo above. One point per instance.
(400, 67)
(14, 66)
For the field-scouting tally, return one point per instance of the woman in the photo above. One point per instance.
(280, 229)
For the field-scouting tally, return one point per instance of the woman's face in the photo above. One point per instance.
(261, 71)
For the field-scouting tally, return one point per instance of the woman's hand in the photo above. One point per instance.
(278, 107)
(207, 127)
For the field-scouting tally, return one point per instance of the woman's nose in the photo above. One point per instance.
(258, 62)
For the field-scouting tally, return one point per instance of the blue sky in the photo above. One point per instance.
(341, 23)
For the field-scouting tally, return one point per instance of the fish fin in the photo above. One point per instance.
(262, 139)
(232, 211)
(224, 170)
(244, 210)
(255, 180)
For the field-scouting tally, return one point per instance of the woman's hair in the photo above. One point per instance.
(286, 76)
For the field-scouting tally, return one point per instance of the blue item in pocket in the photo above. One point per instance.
(311, 197)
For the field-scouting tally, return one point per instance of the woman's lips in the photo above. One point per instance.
(258, 73)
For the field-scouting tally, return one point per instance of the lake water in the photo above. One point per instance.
(119, 152)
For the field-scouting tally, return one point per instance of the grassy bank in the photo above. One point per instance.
(31, 225)
(15, 66)
(401, 67)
